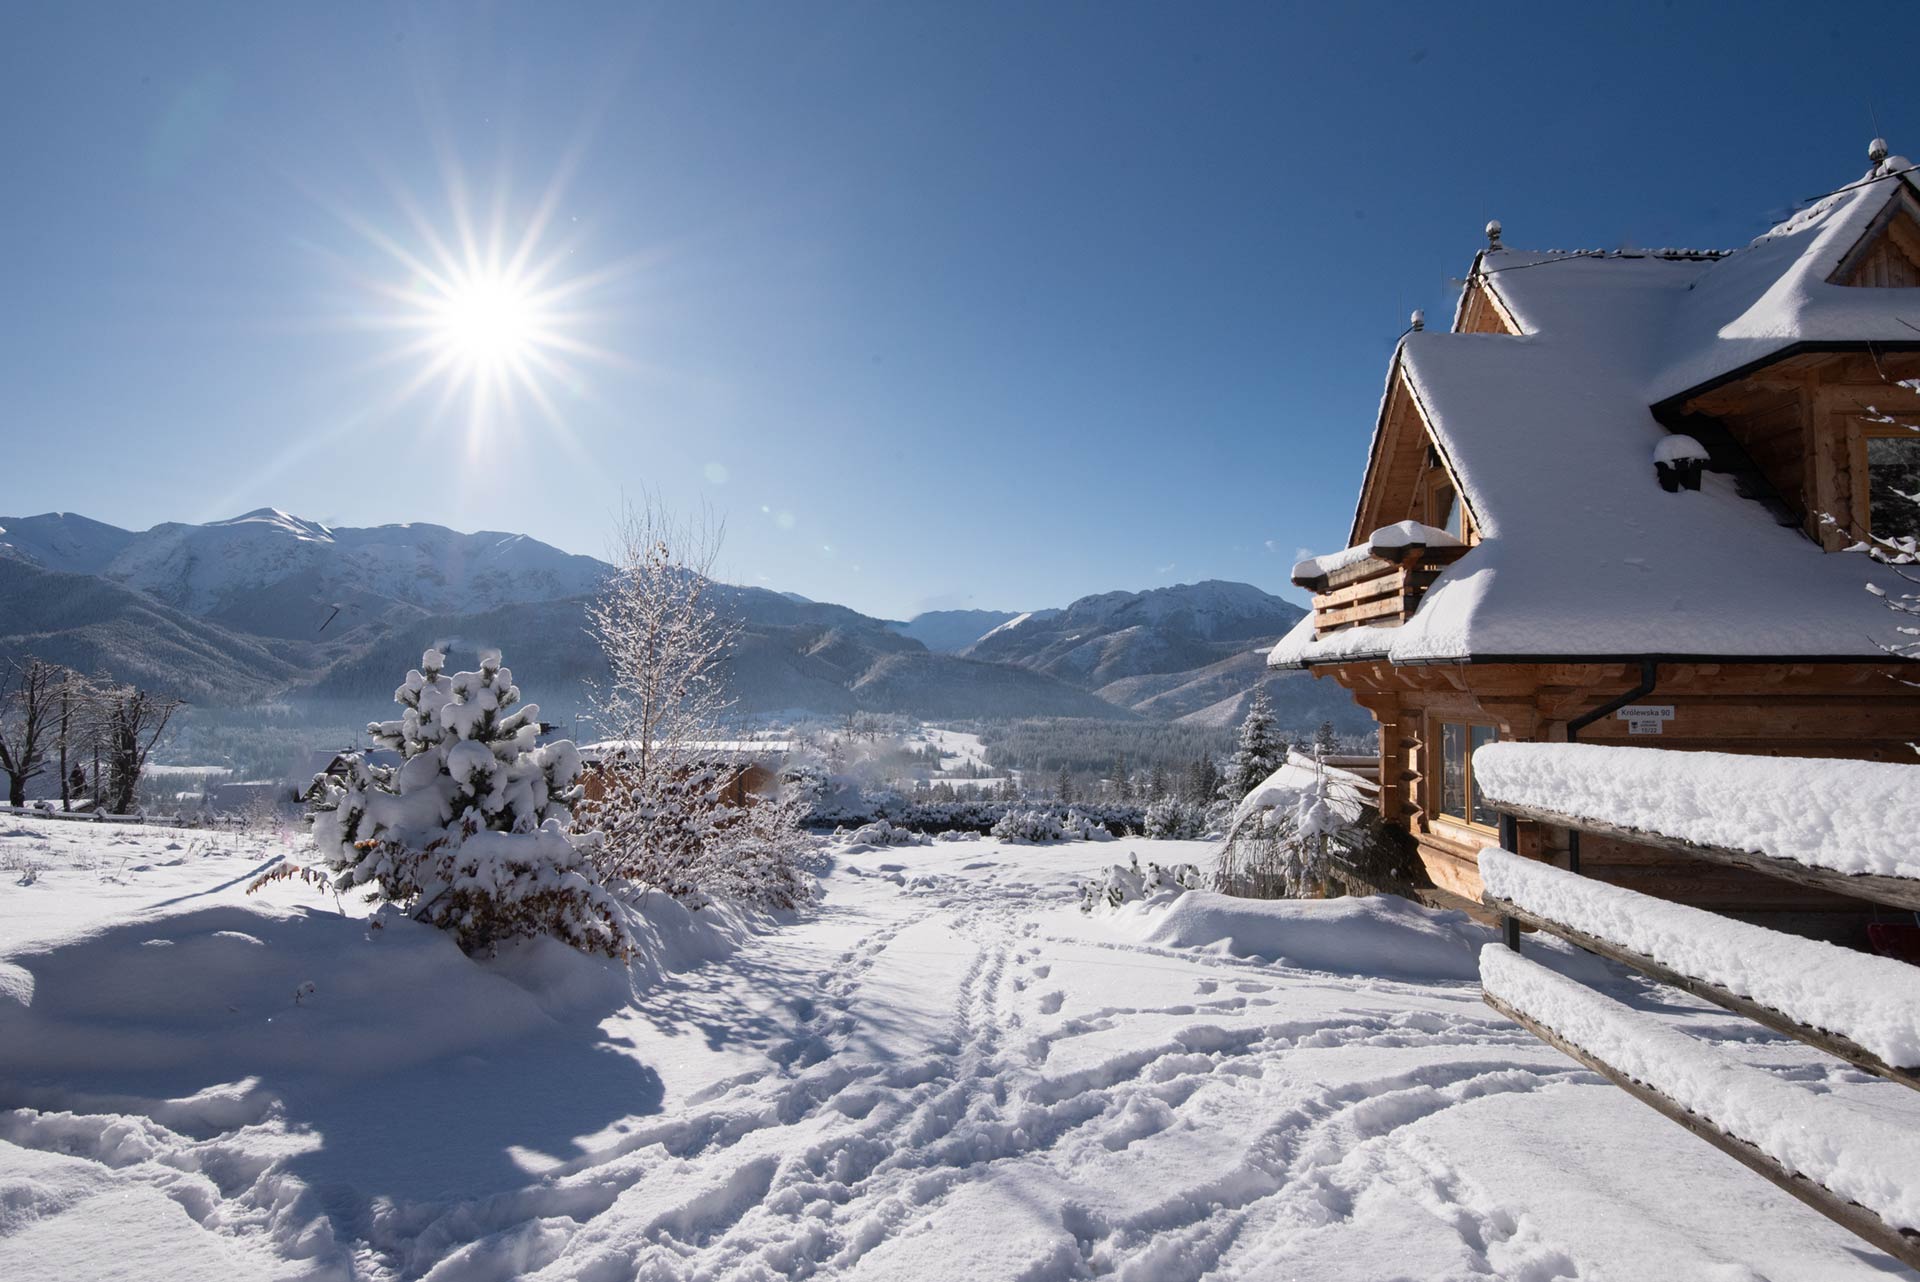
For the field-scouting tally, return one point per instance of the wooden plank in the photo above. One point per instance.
(1902, 1244)
(1900, 892)
(1358, 572)
(1832, 1043)
(1391, 583)
(1393, 607)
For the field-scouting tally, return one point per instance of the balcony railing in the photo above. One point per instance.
(1383, 587)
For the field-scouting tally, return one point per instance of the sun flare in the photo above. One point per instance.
(490, 316)
(489, 320)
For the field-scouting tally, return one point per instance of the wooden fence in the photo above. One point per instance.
(1683, 970)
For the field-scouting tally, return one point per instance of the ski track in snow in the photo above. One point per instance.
(968, 1080)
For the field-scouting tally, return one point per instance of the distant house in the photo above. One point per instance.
(1614, 503)
(333, 761)
(754, 765)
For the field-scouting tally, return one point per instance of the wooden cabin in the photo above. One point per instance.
(751, 767)
(1615, 503)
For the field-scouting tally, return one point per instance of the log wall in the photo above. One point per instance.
(1861, 711)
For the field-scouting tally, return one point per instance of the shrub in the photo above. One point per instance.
(973, 815)
(1308, 833)
(1170, 818)
(1129, 883)
(470, 832)
(882, 833)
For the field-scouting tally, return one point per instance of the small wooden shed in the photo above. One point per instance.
(751, 766)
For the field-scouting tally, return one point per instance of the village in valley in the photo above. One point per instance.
(1503, 865)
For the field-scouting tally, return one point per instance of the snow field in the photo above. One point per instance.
(944, 1070)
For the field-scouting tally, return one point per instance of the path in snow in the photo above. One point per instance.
(943, 1071)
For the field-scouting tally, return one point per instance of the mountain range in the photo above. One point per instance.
(273, 606)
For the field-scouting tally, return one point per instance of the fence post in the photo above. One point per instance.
(1510, 841)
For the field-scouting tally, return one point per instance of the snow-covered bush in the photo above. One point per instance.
(471, 831)
(1075, 826)
(848, 806)
(678, 831)
(1300, 830)
(1129, 883)
(1034, 826)
(1172, 819)
(1024, 826)
(882, 833)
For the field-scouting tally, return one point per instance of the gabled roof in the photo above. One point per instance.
(1551, 436)
(1779, 292)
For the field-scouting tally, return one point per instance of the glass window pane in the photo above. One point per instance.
(1893, 486)
(1445, 510)
(1453, 770)
(1482, 812)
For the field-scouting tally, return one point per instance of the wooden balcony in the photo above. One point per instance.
(1383, 588)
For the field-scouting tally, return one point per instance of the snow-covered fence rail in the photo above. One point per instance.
(1840, 1160)
(1850, 827)
(1861, 1008)
(138, 817)
(1842, 826)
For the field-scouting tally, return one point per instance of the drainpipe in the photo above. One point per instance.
(1649, 677)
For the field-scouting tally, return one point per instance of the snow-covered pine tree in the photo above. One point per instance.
(470, 832)
(1325, 741)
(1260, 752)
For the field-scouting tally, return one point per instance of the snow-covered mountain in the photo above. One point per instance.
(269, 604)
(950, 631)
(274, 574)
(1100, 639)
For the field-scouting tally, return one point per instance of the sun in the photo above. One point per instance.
(486, 308)
(489, 322)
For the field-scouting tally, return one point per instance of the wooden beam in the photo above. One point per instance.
(1832, 1043)
(1902, 1244)
(1900, 892)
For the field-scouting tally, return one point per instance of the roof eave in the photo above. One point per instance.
(1669, 407)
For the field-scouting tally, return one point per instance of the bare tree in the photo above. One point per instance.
(27, 710)
(663, 813)
(75, 724)
(664, 638)
(134, 720)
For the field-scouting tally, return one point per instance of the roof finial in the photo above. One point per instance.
(1419, 320)
(1493, 234)
(1877, 150)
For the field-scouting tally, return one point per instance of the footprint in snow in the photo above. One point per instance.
(1206, 986)
(1050, 1002)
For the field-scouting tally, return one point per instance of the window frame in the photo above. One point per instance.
(1857, 456)
(1437, 723)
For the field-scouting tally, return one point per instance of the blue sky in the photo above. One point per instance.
(958, 305)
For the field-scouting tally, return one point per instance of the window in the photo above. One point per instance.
(1443, 511)
(1893, 486)
(1459, 795)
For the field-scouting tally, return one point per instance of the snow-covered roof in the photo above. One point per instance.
(1551, 434)
(751, 749)
(1388, 539)
(1774, 293)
